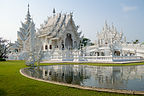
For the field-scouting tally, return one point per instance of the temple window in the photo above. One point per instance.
(75, 44)
(46, 47)
(50, 47)
(98, 54)
(68, 41)
(62, 46)
(16, 50)
(56, 46)
(117, 53)
(102, 54)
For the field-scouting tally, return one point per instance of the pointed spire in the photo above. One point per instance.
(71, 14)
(28, 16)
(54, 11)
(109, 29)
(115, 30)
(106, 26)
(125, 40)
(112, 26)
(105, 22)
(121, 30)
(28, 7)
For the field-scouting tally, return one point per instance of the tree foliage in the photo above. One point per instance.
(4, 45)
(136, 42)
(86, 41)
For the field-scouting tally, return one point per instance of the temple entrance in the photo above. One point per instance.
(102, 54)
(62, 46)
(68, 41)
(117, 53)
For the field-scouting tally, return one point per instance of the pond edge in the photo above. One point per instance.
(84, 87)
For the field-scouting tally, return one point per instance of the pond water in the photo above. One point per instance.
(113, 77)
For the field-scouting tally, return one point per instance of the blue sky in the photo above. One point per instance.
(126, 15)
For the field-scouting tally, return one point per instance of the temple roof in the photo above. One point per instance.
(110, 34)
(55, 25)
(28, 17)
(26, 30)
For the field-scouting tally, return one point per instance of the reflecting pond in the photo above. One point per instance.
(114, 77)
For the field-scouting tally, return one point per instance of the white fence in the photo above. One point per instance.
(113, 59)
(77, 56)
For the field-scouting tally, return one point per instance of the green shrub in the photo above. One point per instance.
(1, 59)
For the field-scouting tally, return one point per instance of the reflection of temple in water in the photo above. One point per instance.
(98, 76)
(72, 74)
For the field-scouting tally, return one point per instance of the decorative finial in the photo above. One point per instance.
(28, 16)
(54, 11)
(125, 40)
(106, 22)
(28, 7)
(112, 26)
(121, 30)
(106, 25)
(71, 14)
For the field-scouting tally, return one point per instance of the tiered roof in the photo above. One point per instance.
(55, 25)
(24, 32)
(110, 34)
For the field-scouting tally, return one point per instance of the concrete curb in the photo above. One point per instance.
(104, 62)
(86, 88)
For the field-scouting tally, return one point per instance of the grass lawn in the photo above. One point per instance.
(12, 83)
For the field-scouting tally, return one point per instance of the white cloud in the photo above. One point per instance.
(129, 8)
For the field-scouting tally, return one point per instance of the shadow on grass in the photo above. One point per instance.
(2, 93)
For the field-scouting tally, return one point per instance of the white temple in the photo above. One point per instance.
(58, 39)
(111, 45)
(59, 32)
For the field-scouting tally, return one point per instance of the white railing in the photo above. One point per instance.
(115, 58)
(76, 56)
(126, 58)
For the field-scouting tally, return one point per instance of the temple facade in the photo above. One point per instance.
(108, 42)
(26, 37)
(112, 44)
(26, 34)
(59, 32)
(58, 39)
